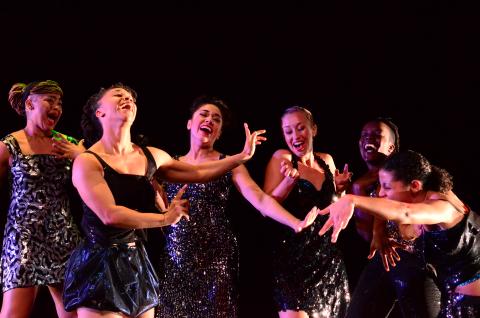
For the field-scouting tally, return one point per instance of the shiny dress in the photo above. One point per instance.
(309, 272)
(39, 233)
(455, 255)
(110, 270)
(199, 264)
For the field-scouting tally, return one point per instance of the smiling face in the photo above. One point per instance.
(206, 124)
(117, 103)
(396, 189)
(44, 110)
(376, 142)
(298, 132)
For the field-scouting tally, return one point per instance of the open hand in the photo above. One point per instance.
(252, 140)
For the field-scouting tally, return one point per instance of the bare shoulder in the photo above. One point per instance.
(160, 156)
(283, 154)
(325, 157)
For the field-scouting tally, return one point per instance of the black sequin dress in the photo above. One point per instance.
(309, 272)
(39, 232)
(199, 265)
(110, 270)
(455, 255)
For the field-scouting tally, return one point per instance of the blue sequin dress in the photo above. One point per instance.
(198, 267)
(309, 272)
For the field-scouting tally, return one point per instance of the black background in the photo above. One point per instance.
(417, 62)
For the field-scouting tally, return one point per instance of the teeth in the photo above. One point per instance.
(297, 144)
(370, 147)
(206, 128)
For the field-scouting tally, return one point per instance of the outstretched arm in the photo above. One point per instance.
(427, 212)
(177, 171)
(265, 203)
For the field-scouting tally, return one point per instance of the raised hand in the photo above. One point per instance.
(288, 170)
(342, 180)
(340, 213)
(178, 208)
(252, 140)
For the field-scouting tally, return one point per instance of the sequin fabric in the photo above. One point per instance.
(199, 265)
(309, 273)
(39, 233)
(455, 255)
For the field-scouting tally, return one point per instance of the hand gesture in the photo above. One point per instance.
(62, 148)
(178, 208)
(251, 141)
(287, 170)
(308, 220)
(340, 213)
(342, 180)
(387, 249)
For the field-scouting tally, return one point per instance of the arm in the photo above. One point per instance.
(87, 177)
(280, 177)
(263, 202)
(4, 165)
(427, 212)
(177, 171)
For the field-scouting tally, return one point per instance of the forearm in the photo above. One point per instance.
(283, 189)
(268, 206)
(123, 217)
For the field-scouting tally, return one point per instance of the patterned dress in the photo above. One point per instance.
(309, 273)
(198, 268)
(39, 233)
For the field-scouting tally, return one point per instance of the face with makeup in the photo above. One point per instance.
(397, 190)
(117, 103)
(206, 124)
(298, 132)
(44, 110)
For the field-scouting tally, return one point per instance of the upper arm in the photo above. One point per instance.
(273, 177)
(244, 182)
(88, 179)
(4, 162)
(431, 212)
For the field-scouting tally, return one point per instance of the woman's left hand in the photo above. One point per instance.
(252, 140)
(343, 179)
(340, 213)
(308, 220)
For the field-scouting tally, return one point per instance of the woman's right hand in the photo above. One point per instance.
(251, 141)
(178, 208)
(288, 171)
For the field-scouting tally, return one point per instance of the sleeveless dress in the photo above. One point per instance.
(198, 267)
(309, 272)
(39, 232)
(455, 255)
(110, 269)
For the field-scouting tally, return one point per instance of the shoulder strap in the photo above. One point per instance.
(102, 162)
(151, 164)
(12, 145)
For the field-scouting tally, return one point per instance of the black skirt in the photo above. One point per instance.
(117, 278)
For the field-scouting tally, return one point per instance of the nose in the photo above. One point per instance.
(381, 193)
(128, 98)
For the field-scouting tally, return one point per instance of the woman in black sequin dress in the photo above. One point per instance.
(309, 278)
(198, 268)
(39, 233)
(415, 192)
(110, 272)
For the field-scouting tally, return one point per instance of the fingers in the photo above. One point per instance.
(385, 262)
(180, 192)
(326, 227)
(373, 251)
(324, 211)
(247, 130)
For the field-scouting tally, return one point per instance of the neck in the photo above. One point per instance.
(308, 159)
(116, 140)
(32, 131)
(199, 151)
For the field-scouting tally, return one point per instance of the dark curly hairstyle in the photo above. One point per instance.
(222, 106)
(19, 93)
(91, 127)
(407, 166)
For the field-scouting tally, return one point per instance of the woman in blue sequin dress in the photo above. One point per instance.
(199, 266)
(415, 192)
(309, 278)
(39, 233)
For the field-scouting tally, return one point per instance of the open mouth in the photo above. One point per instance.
(53, 117)
(298, 145)
(206, 129)
(370, 148)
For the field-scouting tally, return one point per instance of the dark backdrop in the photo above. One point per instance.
(417, 63)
